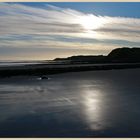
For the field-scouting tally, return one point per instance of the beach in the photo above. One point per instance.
(69, 69)
(75, 104)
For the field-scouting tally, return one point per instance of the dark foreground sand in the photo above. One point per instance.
(44, 69)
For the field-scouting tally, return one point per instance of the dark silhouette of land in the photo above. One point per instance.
(120, 58)
(119, 55)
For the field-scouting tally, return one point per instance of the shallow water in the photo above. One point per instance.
(81, 104)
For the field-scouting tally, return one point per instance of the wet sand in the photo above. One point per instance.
(81, 104)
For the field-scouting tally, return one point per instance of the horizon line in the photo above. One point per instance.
(70, 1)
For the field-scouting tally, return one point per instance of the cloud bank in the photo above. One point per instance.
(62, 30)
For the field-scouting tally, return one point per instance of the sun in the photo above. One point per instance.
(91, 22)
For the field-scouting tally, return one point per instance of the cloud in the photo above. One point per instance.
(62, 28)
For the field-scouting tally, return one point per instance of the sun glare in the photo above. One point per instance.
(91, 22)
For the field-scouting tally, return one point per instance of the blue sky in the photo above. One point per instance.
(41, 30)
(125, 9)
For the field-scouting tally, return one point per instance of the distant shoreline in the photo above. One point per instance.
(48, 69)
(120, 58)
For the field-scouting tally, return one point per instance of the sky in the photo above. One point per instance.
(48, 30)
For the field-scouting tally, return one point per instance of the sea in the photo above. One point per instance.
(9, 63)
(91, 104)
